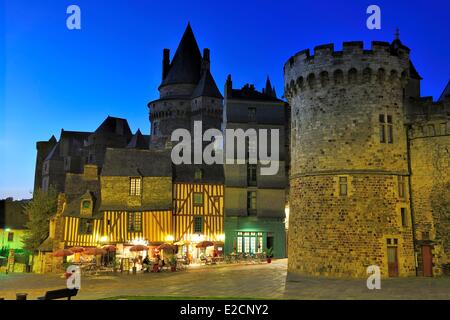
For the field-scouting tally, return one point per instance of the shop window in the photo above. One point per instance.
(251, 202)
(135, 221)
(198, 224)
(249, 242)
(10, 236)
(86, 227)
(343, 186)
(135, 186)
(251, 175)
(198, 199)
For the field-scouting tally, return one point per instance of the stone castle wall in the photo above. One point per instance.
(337, 99)
(430, 167)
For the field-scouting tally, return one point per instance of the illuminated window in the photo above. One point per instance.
(251, 175)
(86, 226)
(343, 186)
(401, 186)
(10, 236)
(198, 199)
(198, 224)
(135, 221)
(135, 186)
(251, 202)
(239, 244)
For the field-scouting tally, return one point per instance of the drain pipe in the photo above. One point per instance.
(411, 203)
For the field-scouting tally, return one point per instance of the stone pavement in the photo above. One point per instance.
(266, 281)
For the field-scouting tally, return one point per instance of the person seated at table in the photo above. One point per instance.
(156, 267)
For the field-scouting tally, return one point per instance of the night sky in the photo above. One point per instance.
(56, 78)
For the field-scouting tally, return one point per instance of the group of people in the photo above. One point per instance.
(153, 266)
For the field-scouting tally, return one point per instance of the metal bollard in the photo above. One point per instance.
(21, 296)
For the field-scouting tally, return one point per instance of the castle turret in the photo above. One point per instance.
(349, 208)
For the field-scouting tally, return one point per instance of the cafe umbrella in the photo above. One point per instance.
(63, 253)
(205, 244)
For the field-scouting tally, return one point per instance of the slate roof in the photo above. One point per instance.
(413, 71)
(445, 92)
(207, 87)
(54, 153)
(73, 207)
(248, 92)
(135, 162)
(186, 64)
(116, 126)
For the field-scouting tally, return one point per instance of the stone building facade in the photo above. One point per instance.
(255, 203)
(355, 178)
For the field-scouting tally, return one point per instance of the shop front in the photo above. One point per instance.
(253, 235)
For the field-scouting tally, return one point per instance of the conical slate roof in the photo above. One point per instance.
(207, 87)
(187, 61)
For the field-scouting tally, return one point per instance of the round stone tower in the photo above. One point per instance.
(349, 203)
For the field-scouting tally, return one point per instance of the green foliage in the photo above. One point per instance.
(173, 260)
(269, 252)
(39, 211)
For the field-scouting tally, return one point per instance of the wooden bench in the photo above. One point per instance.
(59, 294)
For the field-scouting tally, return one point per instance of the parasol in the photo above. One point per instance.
(63, 253)
(205, 244)
(138, 248)
(94, 251)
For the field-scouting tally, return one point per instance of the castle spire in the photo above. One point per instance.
(397, 34)
(269, 89)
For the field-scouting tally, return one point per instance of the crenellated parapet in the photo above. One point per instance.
(383, 64)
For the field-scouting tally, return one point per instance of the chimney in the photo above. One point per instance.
(206, 63)
(166, 63)
(228, 87)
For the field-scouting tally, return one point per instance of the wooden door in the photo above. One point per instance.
(392, 262)
(427, 261)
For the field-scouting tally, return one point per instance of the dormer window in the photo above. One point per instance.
(86, 204)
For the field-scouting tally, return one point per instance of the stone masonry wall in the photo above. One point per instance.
(337, 99)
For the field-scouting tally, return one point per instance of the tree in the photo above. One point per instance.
(39, 211)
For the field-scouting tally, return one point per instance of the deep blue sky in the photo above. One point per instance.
(56, 78)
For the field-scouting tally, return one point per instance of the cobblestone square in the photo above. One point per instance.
(265, 281)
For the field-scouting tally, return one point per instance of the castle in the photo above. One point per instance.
(370, 168)
(116, 188)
